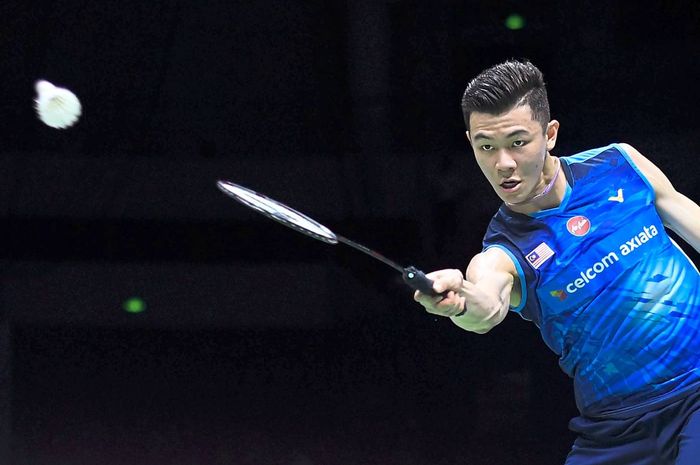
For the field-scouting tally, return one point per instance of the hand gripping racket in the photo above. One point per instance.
(281, 213)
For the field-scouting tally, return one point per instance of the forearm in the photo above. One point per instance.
(487, 303)
(482, 299)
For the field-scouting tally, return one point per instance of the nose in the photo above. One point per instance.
(504, 161)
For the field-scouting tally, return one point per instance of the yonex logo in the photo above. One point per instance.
(578, 225)
(617, 198)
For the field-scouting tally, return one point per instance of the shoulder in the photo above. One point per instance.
(652, 173)
(602, 161)
(593, 164)
(495, 258)
(590, 155)
(632, 153)
(639, 161)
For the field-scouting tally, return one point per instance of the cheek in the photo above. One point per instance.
(536, 162)
(485, 167)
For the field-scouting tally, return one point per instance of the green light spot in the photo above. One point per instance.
(515, 22)
(134, 305)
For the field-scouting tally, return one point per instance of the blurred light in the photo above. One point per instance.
(134, 305)
(515, 22)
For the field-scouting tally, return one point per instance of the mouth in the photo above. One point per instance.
(509, 185)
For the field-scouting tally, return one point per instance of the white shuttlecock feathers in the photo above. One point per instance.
(57, 107)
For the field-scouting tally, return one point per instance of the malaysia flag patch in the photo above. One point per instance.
(541, 254)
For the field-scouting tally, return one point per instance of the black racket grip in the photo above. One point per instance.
(417, 280)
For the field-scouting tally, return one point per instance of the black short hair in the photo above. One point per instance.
(506, 86)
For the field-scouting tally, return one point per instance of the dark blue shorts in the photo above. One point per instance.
(669, 435)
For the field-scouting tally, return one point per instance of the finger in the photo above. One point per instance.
(444, 310)
(426, 300)
(444, 280)
(440, 275)
(439, 286)
(445, 307)
(459, 306)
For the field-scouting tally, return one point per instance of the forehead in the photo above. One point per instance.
(518, 118)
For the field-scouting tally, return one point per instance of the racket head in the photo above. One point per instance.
(277, 211)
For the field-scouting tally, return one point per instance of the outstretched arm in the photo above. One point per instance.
(486, 294)
(678, 212)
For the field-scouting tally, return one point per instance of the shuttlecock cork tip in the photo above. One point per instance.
(42, 86)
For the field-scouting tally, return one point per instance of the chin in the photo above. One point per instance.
(515, 198)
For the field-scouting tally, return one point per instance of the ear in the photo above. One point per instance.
(468, 137)
(551, 134)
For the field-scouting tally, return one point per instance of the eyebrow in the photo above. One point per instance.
(481, 135)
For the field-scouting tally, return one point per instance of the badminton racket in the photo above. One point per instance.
(291, 218)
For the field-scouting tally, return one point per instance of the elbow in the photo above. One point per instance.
(485, 325)
(496, 316)
(483, 330)
(478, 321)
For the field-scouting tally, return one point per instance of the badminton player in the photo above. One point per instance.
(579, 248)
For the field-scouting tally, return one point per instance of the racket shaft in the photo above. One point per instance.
(371, 253)
(412, 276)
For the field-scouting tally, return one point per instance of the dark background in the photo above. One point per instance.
(259, 345)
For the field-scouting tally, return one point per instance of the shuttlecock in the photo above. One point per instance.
(57, 107)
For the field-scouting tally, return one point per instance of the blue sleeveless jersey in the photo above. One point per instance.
(610, 291)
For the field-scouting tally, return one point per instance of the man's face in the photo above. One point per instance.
(510, 149)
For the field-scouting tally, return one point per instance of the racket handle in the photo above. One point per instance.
(417, 280)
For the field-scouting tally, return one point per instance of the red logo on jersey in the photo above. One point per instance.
(578, 225)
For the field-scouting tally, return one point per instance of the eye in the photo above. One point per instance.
(486, 147)
(518, 143)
